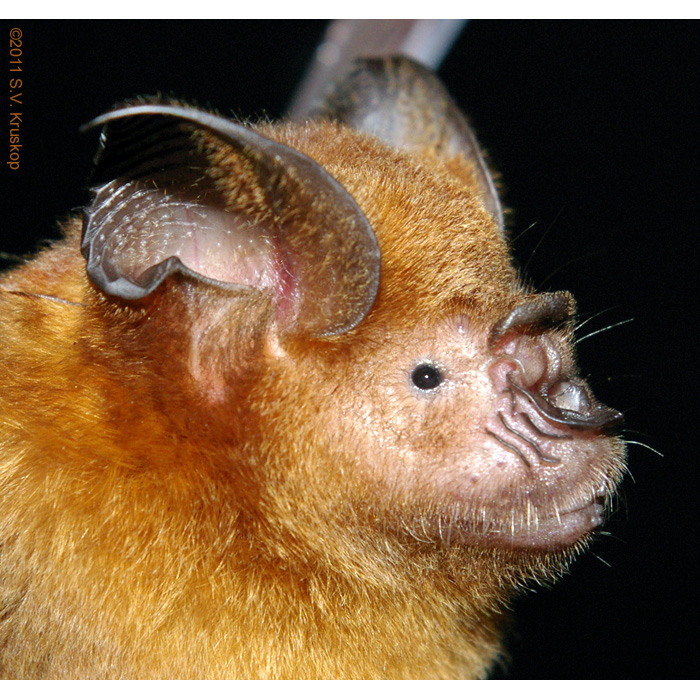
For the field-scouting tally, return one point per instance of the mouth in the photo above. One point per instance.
(538, 429)
(560, 530)
(552, 533)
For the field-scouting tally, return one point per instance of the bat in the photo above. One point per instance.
(280, 405)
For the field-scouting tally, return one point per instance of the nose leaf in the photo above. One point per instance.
(528, 366)
(543, 312)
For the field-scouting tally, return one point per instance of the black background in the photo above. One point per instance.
(594, 127)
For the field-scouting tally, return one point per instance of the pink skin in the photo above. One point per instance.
(510, 450)
(546, 422)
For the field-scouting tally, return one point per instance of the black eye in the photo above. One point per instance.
(426, 377)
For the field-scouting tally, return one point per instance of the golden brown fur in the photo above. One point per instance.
(186, 494)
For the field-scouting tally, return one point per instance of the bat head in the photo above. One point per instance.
(330, 310)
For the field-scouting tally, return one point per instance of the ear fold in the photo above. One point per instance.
(178, 189)
(406, 106)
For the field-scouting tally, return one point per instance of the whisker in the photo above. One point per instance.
(449, 532)
(593, 316)
(428, 539)
(542, 237)
(610, 536)
(626, 431)
(600, 559)
(607, 328)
(524, 231)
(642, 444)
(591, 254)
(411, 532)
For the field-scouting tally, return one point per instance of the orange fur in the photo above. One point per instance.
(186, 494)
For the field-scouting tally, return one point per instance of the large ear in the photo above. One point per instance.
(178, 189)
(406, 106)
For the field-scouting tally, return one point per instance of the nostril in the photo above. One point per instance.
(538, 313)
(528, 369)
(531, 362)
(531, 359)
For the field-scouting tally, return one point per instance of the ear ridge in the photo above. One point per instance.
(290, 228)
(142, 146)
(406, 106)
